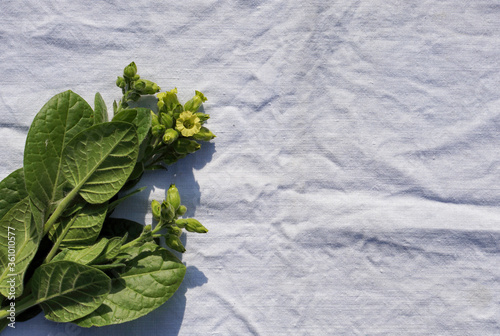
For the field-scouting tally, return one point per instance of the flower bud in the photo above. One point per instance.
(194, 103)
(167, 212)
(144, 86)
(185, 146)
(170, 136)
(181, 211)
(155, 121)
(120, 82)
(139, 85)
(166, 120)
(158, 130)
(175, 230)
(156, 207)
(167, 101)
(202, 116)
(134, 96)
(173, 197)
(174, 243)
(204, 134)
(146, 234)
(181, 222)
(192, 225)
(130, 70)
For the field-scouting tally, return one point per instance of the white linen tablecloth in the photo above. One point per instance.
(353, 187)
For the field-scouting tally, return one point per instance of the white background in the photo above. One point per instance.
(353, 185)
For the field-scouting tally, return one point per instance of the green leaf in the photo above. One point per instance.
(148, 280)
(127, 115)
(110, 251)
(12, 190)
(101, 111)
(38, 217)
(18, 229)
(64, 116)
(61, 255)
(140, 117)
(82, 228)
(98, 161)
(137, 172)
(76, 205)
(108, 266)
(67, 291)
(85, 256)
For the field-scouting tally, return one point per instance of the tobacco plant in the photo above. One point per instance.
(61, 251)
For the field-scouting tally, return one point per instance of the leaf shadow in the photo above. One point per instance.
(194, 278)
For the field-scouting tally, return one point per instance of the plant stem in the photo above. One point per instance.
(131, 243)
(59, 210)
(54, 249)
(138, 239)
(21, 306)
(156, 229)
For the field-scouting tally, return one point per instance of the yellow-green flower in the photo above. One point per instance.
(195, 102)
(168, 100)
(188, 124)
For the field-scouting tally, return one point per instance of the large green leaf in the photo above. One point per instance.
(84, 256)
(13, 191)
(82, 227)
(127, 115)
(140, 117)
(101, 111)
(24, 240)
(64, 116)
(145, 283)
(67, 291)
(98, 161)
(112, 249)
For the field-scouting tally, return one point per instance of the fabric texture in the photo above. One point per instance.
(353, 185)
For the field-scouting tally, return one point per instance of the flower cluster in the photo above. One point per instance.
(174, 132)
(175, 128)
(133, 86)
(167, 214)
(180, 126)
